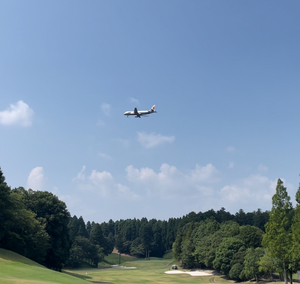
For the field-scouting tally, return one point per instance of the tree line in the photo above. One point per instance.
(244, 251)
(38, 225)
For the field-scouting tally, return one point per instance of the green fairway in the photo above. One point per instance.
(16, 269)
(147, 271)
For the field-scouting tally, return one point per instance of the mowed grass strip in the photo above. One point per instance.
(16, 269)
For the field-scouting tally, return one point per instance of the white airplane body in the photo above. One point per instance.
(139, 113)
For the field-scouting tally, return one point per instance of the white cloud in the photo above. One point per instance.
(206, 173)
(36, 178)
(18, 114)
(262, 168)
(256, 188)
(135, 101)
(80, 175)
(104, 184)
(170, 182)
(152, 140)
(104, 156)
(105, 108)
(198, 189)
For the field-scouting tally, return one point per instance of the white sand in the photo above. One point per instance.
(192, 273)
(122, 267)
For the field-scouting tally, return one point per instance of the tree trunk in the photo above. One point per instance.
(271, 275)
(291, 276)
(284, 274)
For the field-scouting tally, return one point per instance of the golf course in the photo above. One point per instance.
(15, 269)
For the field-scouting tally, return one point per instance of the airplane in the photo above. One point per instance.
(140, 113)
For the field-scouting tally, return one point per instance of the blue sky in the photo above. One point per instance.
(224, 76)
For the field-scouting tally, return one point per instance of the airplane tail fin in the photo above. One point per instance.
(153, 109)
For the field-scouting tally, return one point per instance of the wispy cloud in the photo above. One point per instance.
(135, 101)
(36, 179)
(106, 109)
(152, 140)
(80, 175)
(17, 114)
(104, 156)
(262, 168)
(230, 149)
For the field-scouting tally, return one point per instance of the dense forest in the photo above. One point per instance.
(242, 246)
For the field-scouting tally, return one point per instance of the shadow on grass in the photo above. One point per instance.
(85, 277)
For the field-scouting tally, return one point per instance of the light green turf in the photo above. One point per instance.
(147, 271)
(16, 269)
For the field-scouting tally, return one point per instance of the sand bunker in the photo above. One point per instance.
(122, 267)
(192, 273)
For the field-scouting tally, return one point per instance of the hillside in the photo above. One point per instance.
(15, 268)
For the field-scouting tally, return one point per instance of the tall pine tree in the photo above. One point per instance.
(278, 236)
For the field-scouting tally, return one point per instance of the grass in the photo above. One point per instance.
(113, 258)
(147, 271)
(15, 268)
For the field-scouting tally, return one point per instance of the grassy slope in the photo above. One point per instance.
(15, 268)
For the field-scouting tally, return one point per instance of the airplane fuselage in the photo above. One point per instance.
(140, 113)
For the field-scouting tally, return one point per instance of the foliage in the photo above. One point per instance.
(226, 250)
(89, 244)
(53, 213)
(278, 236)
(251, 263)
(268, 264)
(214, 245)
(38, 225)
(20, 231)
(251, 236)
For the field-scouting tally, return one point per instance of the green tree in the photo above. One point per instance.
(97, 238)
(251, 236)
(237, 265)
(82, 231)
(235, 272)
(204, 241)
(73, 227)
(7, 206)
(53, 213)
(251, 263)
(137, 249)
(295, 249)
(146, 235)
(225, 252)
(23, 233)
(268, 264)
(278, 236)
